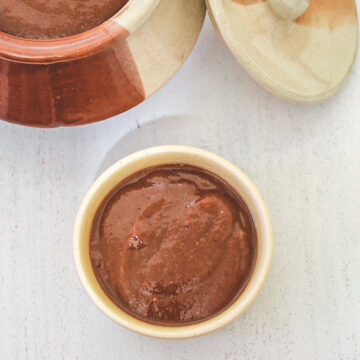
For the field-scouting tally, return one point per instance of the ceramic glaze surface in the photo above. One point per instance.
(111, 81)
(304, 60)
(71, 93)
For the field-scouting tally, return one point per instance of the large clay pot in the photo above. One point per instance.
(100, 73)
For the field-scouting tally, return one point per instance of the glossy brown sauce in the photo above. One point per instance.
(173, 245)
(49, 19)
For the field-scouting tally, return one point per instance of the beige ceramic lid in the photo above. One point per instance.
(305, 59)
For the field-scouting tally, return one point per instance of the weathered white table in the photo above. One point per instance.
(305, 161)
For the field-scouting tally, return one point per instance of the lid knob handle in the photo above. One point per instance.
(289, 9)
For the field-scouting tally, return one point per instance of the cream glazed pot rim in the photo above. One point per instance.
(134, 14)
(161, 155)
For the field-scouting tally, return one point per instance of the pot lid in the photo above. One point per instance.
(301, 50)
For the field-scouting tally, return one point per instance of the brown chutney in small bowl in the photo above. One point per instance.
(173, 245)
(173, 242)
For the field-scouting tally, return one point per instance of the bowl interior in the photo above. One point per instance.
(155, 157)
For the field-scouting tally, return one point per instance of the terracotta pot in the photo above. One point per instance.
(96, 74)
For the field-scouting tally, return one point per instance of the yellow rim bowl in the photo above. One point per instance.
(156, 156)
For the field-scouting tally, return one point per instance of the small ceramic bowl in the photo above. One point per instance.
(156, 156)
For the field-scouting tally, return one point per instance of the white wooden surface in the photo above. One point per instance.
(305, 161)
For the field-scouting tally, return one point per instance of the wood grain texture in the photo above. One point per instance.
(304, 160)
